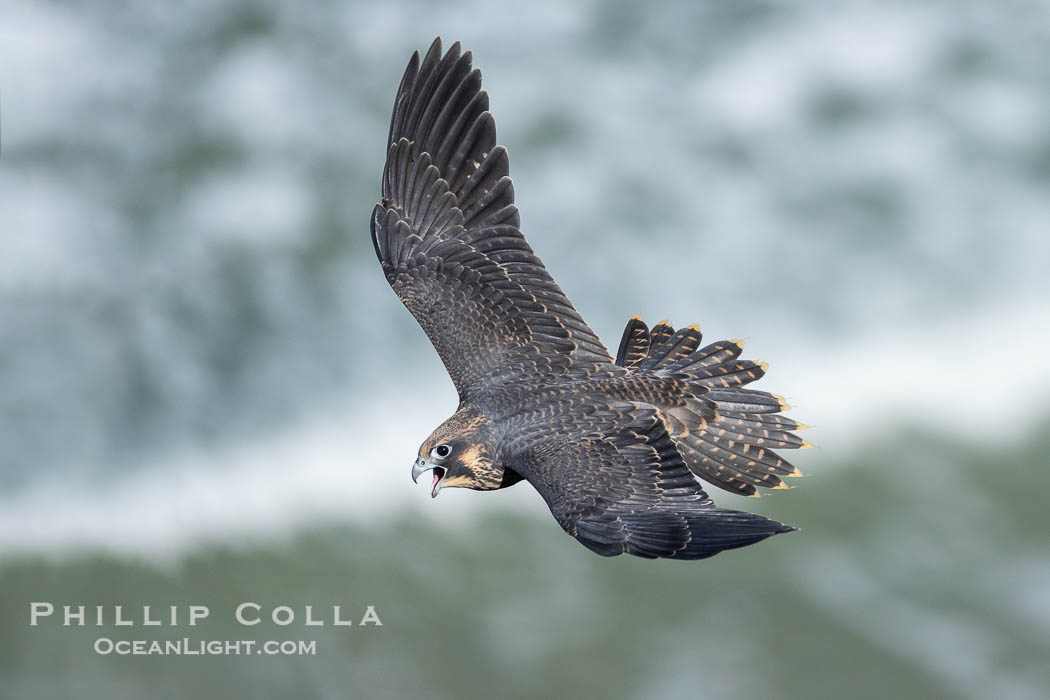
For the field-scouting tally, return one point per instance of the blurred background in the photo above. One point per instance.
(209, 394)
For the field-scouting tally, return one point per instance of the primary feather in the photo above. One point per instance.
(613, 447)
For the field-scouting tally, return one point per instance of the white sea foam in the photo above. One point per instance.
(353, 464)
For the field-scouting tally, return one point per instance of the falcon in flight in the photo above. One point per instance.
(613, 445)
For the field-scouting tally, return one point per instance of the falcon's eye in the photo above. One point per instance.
(441, 451)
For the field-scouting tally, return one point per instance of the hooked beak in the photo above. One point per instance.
(421, 465)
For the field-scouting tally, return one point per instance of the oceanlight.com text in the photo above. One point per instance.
(204, 647)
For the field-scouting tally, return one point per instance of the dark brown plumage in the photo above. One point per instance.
(613, 446)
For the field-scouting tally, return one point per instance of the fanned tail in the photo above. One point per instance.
(728, 434)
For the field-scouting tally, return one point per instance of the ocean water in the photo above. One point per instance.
(209, 392)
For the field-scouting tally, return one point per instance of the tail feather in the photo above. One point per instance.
(737, 429)
(726, 434)
(729, 374)
(761, 463)
(759, 421)
(705, 465)
(634, 346)
(746, 401)
(659, 335)
(677, 347)
(732, 462)
(713, 354)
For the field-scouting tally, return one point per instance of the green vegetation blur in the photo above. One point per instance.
(894, 587)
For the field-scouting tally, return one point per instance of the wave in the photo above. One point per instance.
(976, 379)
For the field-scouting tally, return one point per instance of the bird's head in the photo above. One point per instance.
(460, 454)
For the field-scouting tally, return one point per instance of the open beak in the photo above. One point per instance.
(421, 465)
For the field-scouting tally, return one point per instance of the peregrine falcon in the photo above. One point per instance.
(614, 446)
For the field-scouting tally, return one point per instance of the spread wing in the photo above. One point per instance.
(625, 489)
(446, 234)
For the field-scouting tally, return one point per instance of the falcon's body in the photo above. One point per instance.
(613, 446)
